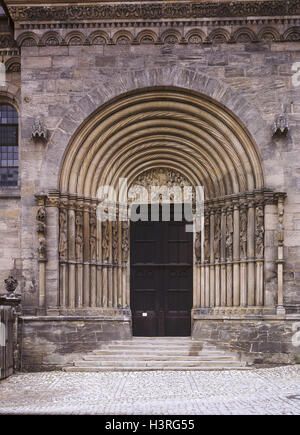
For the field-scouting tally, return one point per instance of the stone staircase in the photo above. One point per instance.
(157, 353)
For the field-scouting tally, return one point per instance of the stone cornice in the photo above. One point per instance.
(155, 10)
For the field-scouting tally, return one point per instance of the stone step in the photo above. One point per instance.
(142, 369)
(156, 353)
(150, 357)
(161, 347)
(159, 363)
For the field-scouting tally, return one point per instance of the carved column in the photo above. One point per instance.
(71, 249)
(280, 259)
(105, 258)
(251, 250)
(100, 301)
(236, 252)
(86, 254)
(115, 260)
(42, 253)
(79, 297)
(243, 252)
(229, 254)
(63, 251)
(223, 255)
(125, 265)
(212, 260)
(206, 256)
(93, 254)
(197, 277)
(217, 254)
(259, 252)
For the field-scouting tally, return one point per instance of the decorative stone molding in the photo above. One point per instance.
(240, 34)
(155, 11)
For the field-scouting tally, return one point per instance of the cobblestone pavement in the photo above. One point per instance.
(259, 391)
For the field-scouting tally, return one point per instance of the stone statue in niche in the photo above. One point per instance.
(280, 233)
(125, 242)
(42, 247)
(229, 233)
(41, 230)
(78, 235)
(243, 233)
(105, 241)
(198, 247)
(217, 236)
(206, 238)
(115, 241)
(93, 237)
(259, 232)
(41, 219)
(63, 245)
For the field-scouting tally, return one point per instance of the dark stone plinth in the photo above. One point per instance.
(263, 339)
(51, 342)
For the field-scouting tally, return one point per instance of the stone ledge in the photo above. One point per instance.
(75, 318)
(247, 317)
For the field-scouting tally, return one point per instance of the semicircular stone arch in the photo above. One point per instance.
(157, 126)
(75, 123)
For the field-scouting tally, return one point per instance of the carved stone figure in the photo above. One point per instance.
(159, 177)
(198, 247)
(125, 243)
(41, 230)
(41, 219)
(78, 235)
(243, 233)
(63, 240)
(206, 238)
(217, 236)
(93, 237)
(115, 241)
(229, 235)
(42, 247)
(280, 232)
(259, 232)
(105, 241)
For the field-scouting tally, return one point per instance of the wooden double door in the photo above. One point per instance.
(161, 277)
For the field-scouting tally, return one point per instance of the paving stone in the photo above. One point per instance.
(272, 391)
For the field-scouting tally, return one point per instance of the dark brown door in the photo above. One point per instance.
(161, 278)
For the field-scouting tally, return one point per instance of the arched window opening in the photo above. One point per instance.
(9, 155)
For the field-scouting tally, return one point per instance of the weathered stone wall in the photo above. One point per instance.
(65, 84)
(260, 340)
(48, 343)
(10, 263)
